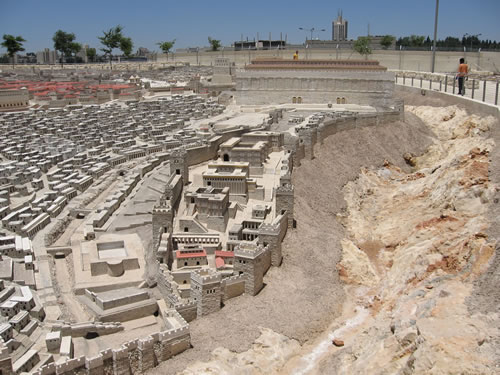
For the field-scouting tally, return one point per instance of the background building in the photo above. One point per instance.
(46, 57)
(339, 28)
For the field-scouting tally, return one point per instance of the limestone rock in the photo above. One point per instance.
(337, 342)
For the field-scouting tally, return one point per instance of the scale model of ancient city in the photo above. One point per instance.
(138, 203)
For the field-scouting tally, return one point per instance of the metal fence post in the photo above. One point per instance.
(484, 90)
(404, 80)
(440, 85)
(454, 83)
(496, 94)
(473, 87)
(446, 83)
(430, 84)
(420, 82)
(412, 81)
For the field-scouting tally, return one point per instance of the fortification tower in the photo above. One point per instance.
(248, 260)
(269, 235)
(206, 291)
(284, 202)
(163, 222)
(179, 165)
(307, 136)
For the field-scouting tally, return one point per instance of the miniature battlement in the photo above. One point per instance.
(174, 333)
(233, 279)
(270, 229)
(288, 190)
(70, 365)
(49, 368)
(131, 345)
(94, 362)
(172, 313)
(178, 152)
(184, 305)
(120, 353)
(248, 250)
(205, 276)
(146, 343)
(106, 353)
(162, 209)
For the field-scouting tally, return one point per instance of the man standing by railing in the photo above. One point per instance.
(463, 70)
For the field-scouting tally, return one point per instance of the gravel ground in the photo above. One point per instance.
(304, 295)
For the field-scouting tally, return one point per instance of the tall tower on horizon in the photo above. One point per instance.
(339, 28)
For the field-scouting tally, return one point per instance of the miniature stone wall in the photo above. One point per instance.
(81, 329)
(133, 357)
(233, 286)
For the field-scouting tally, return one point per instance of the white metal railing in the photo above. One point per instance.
(485, 90)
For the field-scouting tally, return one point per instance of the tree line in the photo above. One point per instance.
(112, 39)
(470, 41)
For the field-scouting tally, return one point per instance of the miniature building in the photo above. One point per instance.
(20, 320)
(236, 150)
(10, 308)
(273, 80)
(206, 291)
(14, 100)
(227, 174)
(66, 348)
(26, 362)
(53, 341)
(5, 331)
(191, 257)
(248, 261)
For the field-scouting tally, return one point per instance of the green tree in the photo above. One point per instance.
(64, 43)
(113, 38)
(214, 43)
(362, 46)
(417, 40)
(166, 46)
(14, 44)
(126, 46)
(387, 41)
(91, 54)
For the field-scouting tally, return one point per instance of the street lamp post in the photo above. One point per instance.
(435, 36)
(311, 30)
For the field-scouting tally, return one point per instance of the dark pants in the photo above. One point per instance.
(461, 88)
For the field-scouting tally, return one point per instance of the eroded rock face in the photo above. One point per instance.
(424, 236)
(268, 354)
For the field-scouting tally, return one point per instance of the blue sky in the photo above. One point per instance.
(191, 22)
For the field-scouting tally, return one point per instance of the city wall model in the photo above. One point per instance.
(212, 190)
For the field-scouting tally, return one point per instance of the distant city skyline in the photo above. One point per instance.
(190, 23)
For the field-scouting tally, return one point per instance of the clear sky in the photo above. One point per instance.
(190, 22)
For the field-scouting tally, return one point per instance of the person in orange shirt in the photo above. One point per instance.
(463, 70)
(296, 55)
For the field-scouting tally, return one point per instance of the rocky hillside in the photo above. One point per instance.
(416, 243)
